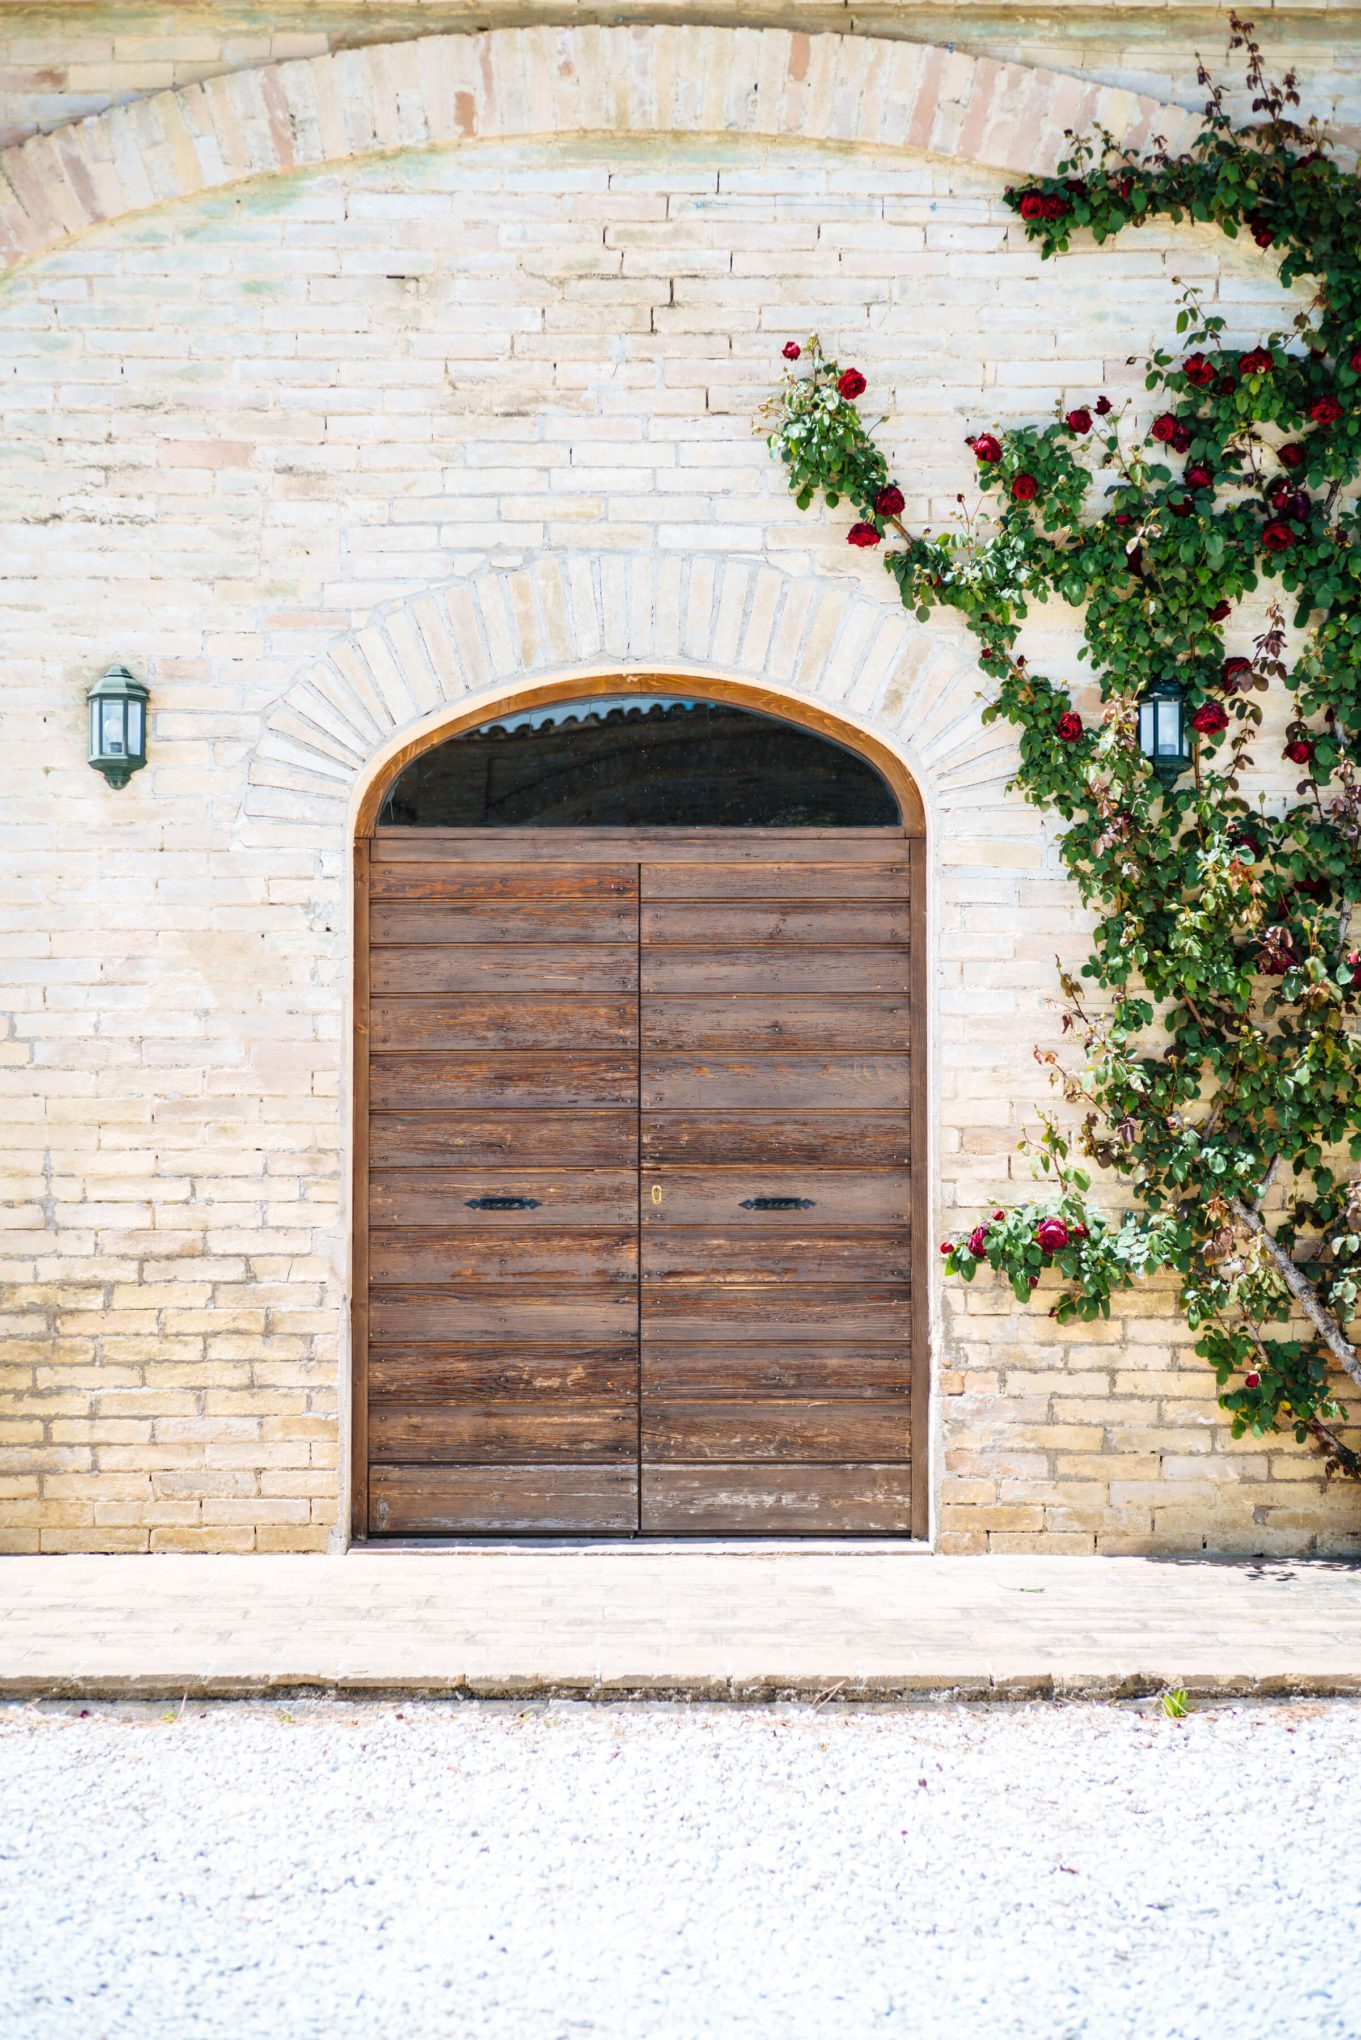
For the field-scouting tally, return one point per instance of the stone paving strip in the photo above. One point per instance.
(685, 1621)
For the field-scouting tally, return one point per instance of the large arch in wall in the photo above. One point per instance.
(534, 83)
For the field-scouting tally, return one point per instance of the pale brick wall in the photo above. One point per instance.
(321, 454)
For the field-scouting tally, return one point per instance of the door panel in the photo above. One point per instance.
(636, 1216)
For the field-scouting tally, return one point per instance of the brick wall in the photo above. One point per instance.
(322, 453)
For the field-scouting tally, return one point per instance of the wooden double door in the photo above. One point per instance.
(635, 1244)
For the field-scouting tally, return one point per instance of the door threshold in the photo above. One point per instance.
(745, 1547)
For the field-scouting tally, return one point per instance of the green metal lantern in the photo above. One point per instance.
(1163, 735)
(118, 725)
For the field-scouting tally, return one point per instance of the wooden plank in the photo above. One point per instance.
(437, 921)
(921, 1211)
(503, 1434)
(513, 1140)
(724, 1197)
(744, 1020)
(752, 924)
(450, 1197)
(766, 1311)
(471, 1501)
(453, 1373)
(772, 971)
(883, 880)
(454, 878)
(793, 1430)
(793, 1501)
(424, 1254)
(767, 1139)
(360, 1163)
(585, 1316)
(513, 1078)
(722, 1368)
(744, 1255)
(868, 1082)
(425, 1021)
(531, 967)
(576, 846)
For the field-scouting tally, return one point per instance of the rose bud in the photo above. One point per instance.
(1181, 439)
(1079, 1232)
(1257, 361)
(1278, 537)
(1220, 611)
(1355, 362)
(1252, 1380)
(985, 447)
(1069, 726)
(1231, 673)
(1354, 965)
(998, 1216)
(978, 1239)
(1325, 410)
(1164, 428)
(1210, 719)
(1198, 370)
(1104, 406)
(947, 1246)
(1051, 1234)
(863, 534)
(889, 501)
(1291, 455)
(851, 383)
(1262, 233)
(1079, 420)
(1225, 384)
(1024, 488)
(1299, 750)
(791, 350)
(1034, 1281)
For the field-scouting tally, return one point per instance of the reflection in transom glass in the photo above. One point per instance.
(641, 761)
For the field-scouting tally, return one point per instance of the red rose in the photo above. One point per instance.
(1225, 384)
(947, 1246)
(1325, 410)
(1288, 502)
(1079, 1232)
(1291, 455)
(1355, 362)
(1354, 965)
(1198, 370)
(1104, 407)
(851, 383)
(1262, 233)
(1210, 719)
(1246, 845)
(985, 447)
(1299, 750)
(1181, 438)
(1122, 517)
(1024, 488)
(1232, 671)
(1182, 507)
(863, 534)
(1220, 611)
(1056, 208)
(1051, 1234)
(1134, 560)
(1252, 1379)
(1079, 420)
(978, 1241)
(1317, 889)
(889, 500)
(1032, 205)
(1275, 962)
(998, 1216)
(791, 350)
(1164, 428)
(1069, 726)
(1257, 361)
(1125, 186)
(1033, 1281)
(1198, 477)
(1278, 537)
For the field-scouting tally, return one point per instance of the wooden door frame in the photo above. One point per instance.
(808, 715)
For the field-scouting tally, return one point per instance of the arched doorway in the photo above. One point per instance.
(639, 1215)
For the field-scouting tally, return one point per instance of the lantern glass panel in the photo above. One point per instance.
(1147, 714)
(112, 731)
(135, 741)
(1169, 729)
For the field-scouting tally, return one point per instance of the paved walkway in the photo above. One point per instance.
(705, 1622)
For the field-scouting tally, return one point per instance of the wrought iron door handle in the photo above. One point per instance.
(503, 1203)
(778, 1203)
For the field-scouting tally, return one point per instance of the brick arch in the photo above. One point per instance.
(420, 663)
(441, 91)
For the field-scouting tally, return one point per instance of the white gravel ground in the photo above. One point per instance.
(323, 1868)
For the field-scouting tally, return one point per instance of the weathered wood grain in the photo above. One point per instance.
(732, 1021)
(719, 1368)
(530, 967)
(504, 921)
(571, 1078)
(494, 1139)
(886, 879)
(448, 1197)
(425, 1254)
(824, 1081)
(783, 1310)
(745, 1255)
(723, 1197)
(576, 1429)
(756, 924)
(765, 1501)
(503, 1373)
(791, 1430)
(435, 878)
(411, 1024)
(598, 1500)
(768, 1139)
(774, 970)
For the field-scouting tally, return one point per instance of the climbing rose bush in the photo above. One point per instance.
(1218, 1013)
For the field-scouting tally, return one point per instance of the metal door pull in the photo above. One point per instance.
(778, 1203)
(503, 1204)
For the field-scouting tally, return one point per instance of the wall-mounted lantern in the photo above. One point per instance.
(118, 725)
(1162, 732)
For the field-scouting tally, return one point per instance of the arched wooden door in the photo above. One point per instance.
(636, 1244)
